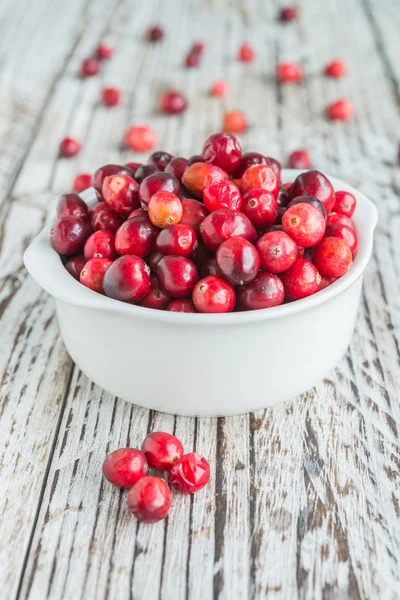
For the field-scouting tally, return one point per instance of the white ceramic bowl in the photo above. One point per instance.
(201, 364)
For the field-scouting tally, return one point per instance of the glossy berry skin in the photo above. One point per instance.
(277, 251)
(265, 291)
(301, 280)
(133, 167)
(235, 121)
(164, 209)
(177, 275)
(210, 267)
(110, 96)
(223, 194)
(101, 244)
(200, 176)
(95, 211)
(156, 298)
(92, 274)
(191, 474)
(121, 193)
(149, 499)
(193, 213)
(238, 261)
(145, 171)
(335, 69)
(158, 182)
(173, 102)
(213, 294)
(246, 53)
(72, 205)
(177, 166)
(154, 259)
(82, 182)
(248, 160)
(222, 150)
(177, 239)
(289, 13)
(341, 110)
(275, 165)
(107, 170)
(155, 33)
(136, 236)
(127, 279)
(314, 183)
(345, 203)
(181, 305)
(299, 159)
(309, 200)
(345, 233)
(196, 158)
(223, 224)
(138, 212)
(75, 265)
(260, 176)
(304, 223)
(332, 257)
(219, 88)
(125, 466)
(140, 138)
(289, 73)
(261, 207)
(69, 234)
(160, 159)
(104, 51)
(90, 67)
(337, 218)
(283, 197)
(162, 450)
(69, 147)
(107, 219)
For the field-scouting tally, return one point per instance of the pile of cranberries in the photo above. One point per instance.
(214, 233)
(149, 497)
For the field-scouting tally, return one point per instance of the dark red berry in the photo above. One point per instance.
(289, 13)
(193, 213)
(248, 160)
(173, 102)
(140, 138)
(341, 110)
(192, 59)
(125, 466)
(214, 295)
(101, 244)
(210, 267)
(225, 223)
(149, 499)
(309, 200)
(136, 236)
(177, 275)
(127, 279)
(314, 183)
(145, 171)
(110, 96)
(265, 291)
(69, 147)
(177, 166)
(200, 176)
(335, 69)
(261, 207)
(222, 194)
(222, 150)
(95, 211)
(158, 182)
(332, 257)
(304, 223)
(345, 203)
(107, 219)
(301, 280)
(277, 251)
(69, 234)
(133, 167)
(92, 274)
(289, 73)
(155, 33)
(238, 261)
(195, 159)
(82, 182)
(75, 265)
(90, 67)
(182, 305)
(326, 282)
(283, 197)
(260, 176)
(275, 165)
(121, 193)
(106, 171)
(104, 51)
(191, 474)
(164, 209)
(156, 298)
(160, 159)
(162, 450)
(177, 239)
(246, 53)
(299, 159)
(72, 205)
(345, 233)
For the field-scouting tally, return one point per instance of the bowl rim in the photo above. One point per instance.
(45, 266)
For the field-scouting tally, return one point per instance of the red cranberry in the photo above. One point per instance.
(289, 73)
(127, 279)
(225, 223)
(75, 265)
(332, 257)
(222, 150)
(235, 121)
(107, 219)
(289, 13)
(155, 33)
(275, 165)
(149, 499)
(92, 274)
(125, 466)
(145, 171)
(156, 298)
(192, 59)
(335, 69)
(196, 158)
(283, 197)
(158, 182)
(101, 244)
(301, 280)
(326, 282)
(309, 200)
(162, 450)
(219, 88)
(201, 254)
(82, 182)
(106, 171)
(121, 193)
(260, 176)
(238, 261)
(177, 239)
(193, 213)
(95, 211)
(90, 67)
(248, 160)
(341, 110)
(104, 51)
(198, 47)
(182, 305)
(177, 166)
(164, 209)
(177, 275)
(299, 159)
(277, 251)
(336, 219)
(222, 194)
(261, 207)
(72, 205)
(246, 53)
(173, 102)
(110, 96)
(200, 176)
(304, 223)
(345, 203)
(69, 234)
(314, 183)
(160, 159)
(214, 295)
(191, 474)
(154, 259)
(133, 167)
(140, 138)
(345, 233)
(265, 291)
(136, 236)
(210, 267)
(69, 147)
(138, 212)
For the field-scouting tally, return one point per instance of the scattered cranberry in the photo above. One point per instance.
(261, 207)
(95, 211)
(101, 244)
(335, 69)
(248, 160)
(69, 147)
(190, 474)
(222, 150)
(177, 239)
(90, 67)
(332, 257)
(219, 88)
(222, 194)
(304, 223)
(72, 205)
(200, 175)
(177, 166)
(345, 233)
(345, 203)
(246, 53)
(225, 223)
(69, 234)
(289, 13)
(156, 298)
(125, 466)
(107, 219)
(289, 73)
(164, 209)
(182, 305)
(154, 259)
(265, 291)
(314, 183)
(338, 219)
(110, 96)
(145, 171)
(82, 182)
(149, 499)
(104, 51)
(106, 171)
(92, 274)
(160, 159)
(162, 450)
(133, 167)
(210, 267)
(136, 236)
(75, 265)
(173, 102)
(260, 176)
(214, 295)
(155, 33)
(299, 159)
(238, 261)
(158, 182)
(309, 200)
(140, 138)
(127, 279)
(341, 110)
(235, 121)
(277, 251)
(193, 213)
(301, 280)
(177, 275)
(192, 60)
(121, 193)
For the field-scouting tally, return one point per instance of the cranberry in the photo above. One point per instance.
(145, 171)
(154, 259)
(332, 257)
(238, 261)
(82, 182)
(140, 138)
(177, 275)
(275, 165)
(92, 274)
(341, 110)
(225, 223)
(149, 499)
(222, 194)
(345, 203)
(336, 218)
(326, 282)
(138, 212)
(110, 96)
(121, 193)
(107, 171)
(335, 69)
(201, 254)
(72, 205)
(162, 450)
(345, 233)
(69, 147)
(192, 60)
(309, 200)
(90, 67)
(304, 223)
(289, 73)
(219, 88)
(136, 236)
(133, 167)
(125, 466)
(155, 33)
(200, 175)
(222, 150)
(101, 244)
(190, 474)
(173, 102)
(177, 239)
(181, 305)
(235, 121)
(198, 47)
(177, 166)
(158, 182)
(210, 267)
(260, 176)
(107, 219)
(95, 211)
(314, 183)
(248, 160)
(104, 51)
(289, 13)
(246, 53)
(301, 280)
(283, 197)
(265, 291)
(277, 251)
(156, 298)
(164, 209)
(281, 212)
(299, 159)
(261, 207)
(127, 279)
(214, 295)
(75, 265)
(160, 159)
(69, 234)
(193, 213)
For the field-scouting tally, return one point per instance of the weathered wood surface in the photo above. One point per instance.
(304, 499)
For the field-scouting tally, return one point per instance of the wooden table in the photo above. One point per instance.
(304, 498)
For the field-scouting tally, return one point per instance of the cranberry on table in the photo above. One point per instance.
(107, 219)
(198, 47)
(156, 298)
(314, 183)
(107, 170)
(69, 234)
(158, 182)
(133, 167)
(173, 102)
(155, 33)
(181, 305)
(101, 244)
(127, 279)
(222, 150)
(177, 275)
(177, 239)
(104, 51)
(299, 159)
(214, 295)
(335, 69)
(149, 499)
(309, 200)
(72, 205)
(346, 234)
(265, 291)
(219, 88)
(332, 257)
(75, 265)
(210, 267)
(222, 194)
(92, 274)
(164, 209)
(193, 213)
(145, 171)
(260, 176)
(69, 147)
(277, 251)
(235, 121)
(90, 67)
(300, 280)
(162, 450)
(160, 159)
(261, 207)
(82, 182)
(200, 175)
(341, 110)
(225, 223)
(289, 13)
(190, 474)
(125, 466)
(136, 236)
(345, 203)
(339, 219)
(95, 211)
(289, 73)
(192, 59)
(304, 223)
(140, 138)
(121, 193)
(177, 166)
(110, 96)
(238, 260)
(248, 160)
(246, 53)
